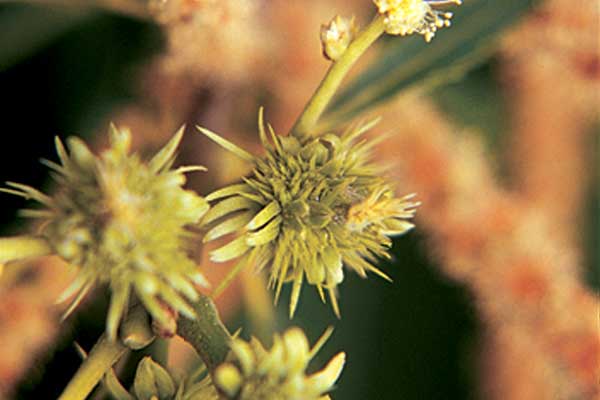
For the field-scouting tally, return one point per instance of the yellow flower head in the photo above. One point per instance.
(123, 222)
(405, 17)
(309, 207)
(255, 373)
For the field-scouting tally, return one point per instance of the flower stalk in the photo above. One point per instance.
(206, 334)
(335, 75)
(106, 353)
(103, 356)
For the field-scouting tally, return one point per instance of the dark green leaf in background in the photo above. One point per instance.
(24, 30)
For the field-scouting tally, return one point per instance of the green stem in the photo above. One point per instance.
(102, 357)
(206, 333)
(336, 73)
(19, 247)
(105, 353)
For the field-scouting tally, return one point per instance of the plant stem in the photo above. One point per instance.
(334, 76)
(102, 357)
(19, 247)
(106, 353)
(206, 333)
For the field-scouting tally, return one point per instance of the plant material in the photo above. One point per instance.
(398, 17)
(207, 335)
(278, 373)
(406, 17)
(551, 153)
(123, 222)
(153, 382)
(336, 36)
(309, 207)
(231, 31)
(105, 353)
(523, 276)
(404, 65)
(28, 319)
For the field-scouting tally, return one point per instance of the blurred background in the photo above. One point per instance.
(494, 125)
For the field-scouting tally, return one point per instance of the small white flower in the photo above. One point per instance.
(405, 17)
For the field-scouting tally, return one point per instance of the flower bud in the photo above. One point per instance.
(152, 382)
(405, 17)
(336, 36)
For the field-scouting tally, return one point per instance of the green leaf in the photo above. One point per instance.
(410, 61)
(25, 29)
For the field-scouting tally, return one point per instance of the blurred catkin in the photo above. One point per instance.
(222, 40)
(505, 251)
(551, 65)
(28, 317)
(513, 250)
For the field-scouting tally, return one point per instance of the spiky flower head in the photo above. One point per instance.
(309, 207)
(124, 222)
(336, 36)
(405, 17)
(255, 373)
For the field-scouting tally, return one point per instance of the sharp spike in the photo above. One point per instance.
(321, 293)
(166, 155)
(261, 129)
(226, 144)
(118, 302)
(79, 282)
(84, 291)
(334, 302)
(80, 351)
(297, 286)
(29, 192)
(62, 152)
(173, 299)
(377, 271)
(275, 139)
(321, 341)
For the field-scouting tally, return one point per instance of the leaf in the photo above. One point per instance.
(410, 61)
(26, 29)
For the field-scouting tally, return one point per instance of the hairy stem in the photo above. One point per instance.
(19, 247)
(106, 353)
(206, 333)
(336, 73)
